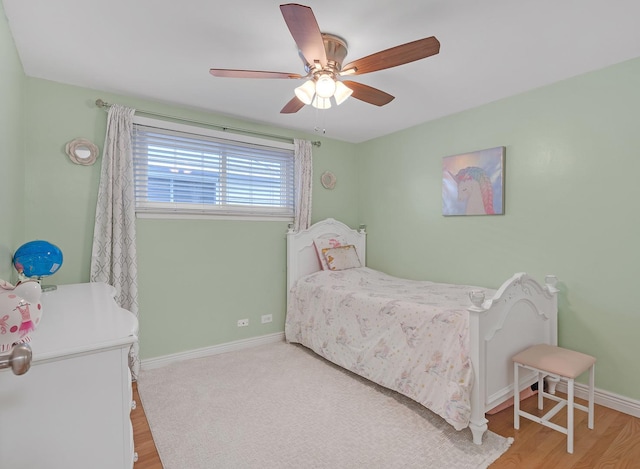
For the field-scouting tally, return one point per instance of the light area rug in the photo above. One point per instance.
(281, 406)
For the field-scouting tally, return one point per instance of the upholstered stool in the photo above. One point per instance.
(549, 360)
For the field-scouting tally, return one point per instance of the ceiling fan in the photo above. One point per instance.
(323, 56)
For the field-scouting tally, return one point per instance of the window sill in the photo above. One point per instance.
(210, 216)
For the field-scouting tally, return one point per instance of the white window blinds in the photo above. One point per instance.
(191, 170)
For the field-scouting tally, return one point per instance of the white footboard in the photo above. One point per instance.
(522, 313)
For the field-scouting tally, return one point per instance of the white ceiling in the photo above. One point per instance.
(162, 50)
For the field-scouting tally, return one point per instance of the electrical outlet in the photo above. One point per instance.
(243, 322)
(267, 318)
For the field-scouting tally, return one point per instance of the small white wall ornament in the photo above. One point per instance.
(82, 151)
(328, 180)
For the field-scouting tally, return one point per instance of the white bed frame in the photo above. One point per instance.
(521, 313)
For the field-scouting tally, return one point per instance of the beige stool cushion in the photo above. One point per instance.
(555, 360)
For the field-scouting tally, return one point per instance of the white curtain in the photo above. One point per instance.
(113, 257)
(304, 182)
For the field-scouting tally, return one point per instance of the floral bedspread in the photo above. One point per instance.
(409, 336)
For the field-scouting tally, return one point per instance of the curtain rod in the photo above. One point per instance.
(103, 104)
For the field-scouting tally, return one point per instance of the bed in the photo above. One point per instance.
(448, 347)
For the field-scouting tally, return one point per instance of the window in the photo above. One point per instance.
(184, 169)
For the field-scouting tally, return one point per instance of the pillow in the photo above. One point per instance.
(326, 243)
(342, 258)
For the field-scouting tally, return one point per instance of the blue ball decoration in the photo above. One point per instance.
(37, 259)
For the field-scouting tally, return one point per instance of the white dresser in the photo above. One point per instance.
(71, 409)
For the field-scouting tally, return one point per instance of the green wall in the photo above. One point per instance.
(196, 277)
(571, 172)
(12, 174)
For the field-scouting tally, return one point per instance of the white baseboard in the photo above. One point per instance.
(623, 404)
(165, 360)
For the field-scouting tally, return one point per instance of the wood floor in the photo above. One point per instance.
(613, 443)
(142, 440)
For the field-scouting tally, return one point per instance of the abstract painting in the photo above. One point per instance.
(473, 183)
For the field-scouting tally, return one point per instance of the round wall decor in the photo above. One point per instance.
(328, 180)
(82, 151)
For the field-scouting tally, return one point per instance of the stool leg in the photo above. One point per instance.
(540, 389)
(516, 397)
(592, 382)
(570, 416)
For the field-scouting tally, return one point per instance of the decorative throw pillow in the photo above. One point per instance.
(326, 243)
(341, 258)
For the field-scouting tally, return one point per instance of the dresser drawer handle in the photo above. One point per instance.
(19, 360)
(133, 405)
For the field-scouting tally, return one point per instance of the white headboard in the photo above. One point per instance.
(301, 255)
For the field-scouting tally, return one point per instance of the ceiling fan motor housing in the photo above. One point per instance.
(336, 50)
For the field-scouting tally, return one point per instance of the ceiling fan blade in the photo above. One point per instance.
(368, 94)
(292, 106)
(399, 55)
(230, 73)
(305, 31)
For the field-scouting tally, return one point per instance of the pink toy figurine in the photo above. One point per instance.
(20, 312)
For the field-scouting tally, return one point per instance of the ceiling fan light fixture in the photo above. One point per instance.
(342, 93)
(321, 103)
(306, 91)
(325, 86)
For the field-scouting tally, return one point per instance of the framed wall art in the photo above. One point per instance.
(473, 183)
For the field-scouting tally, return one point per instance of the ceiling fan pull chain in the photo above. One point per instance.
(320, 116)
